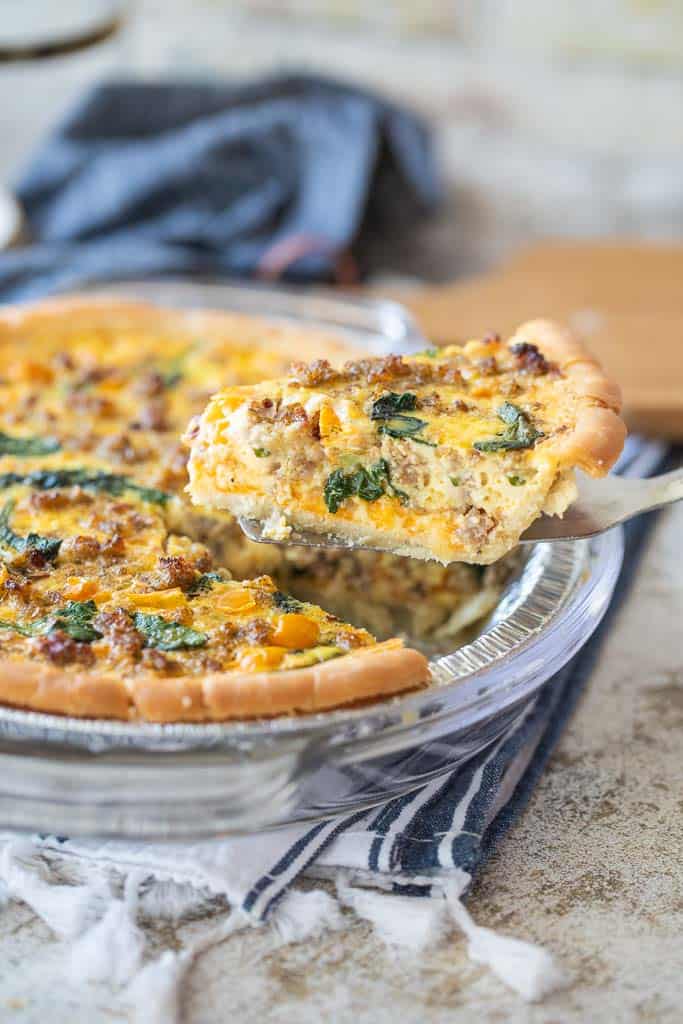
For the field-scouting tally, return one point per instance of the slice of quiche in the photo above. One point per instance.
(105, 611)
(448, 455)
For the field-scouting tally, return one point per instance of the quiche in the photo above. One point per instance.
(117, 598)
(446, 455)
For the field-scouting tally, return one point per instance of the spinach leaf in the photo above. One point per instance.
(287, 603)
(516, 481)
(389, 404)
(368, 484)
(167, 636)
(92, 480)
(261, 453)
(520, 432)
(47, 546)
(406, 426)
(75, 619)
(27, 445)
(338, 487)
(203, 583)
(390, 409)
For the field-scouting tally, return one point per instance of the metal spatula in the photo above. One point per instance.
(605, 503)
(600, 505)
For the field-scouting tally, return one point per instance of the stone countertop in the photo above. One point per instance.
(592, 870)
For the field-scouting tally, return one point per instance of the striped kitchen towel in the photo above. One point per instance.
(428, 843)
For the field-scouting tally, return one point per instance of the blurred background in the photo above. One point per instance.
(548, 119)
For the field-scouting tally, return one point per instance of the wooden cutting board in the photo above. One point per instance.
(626, 300)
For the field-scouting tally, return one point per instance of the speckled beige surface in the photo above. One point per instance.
(593, 870)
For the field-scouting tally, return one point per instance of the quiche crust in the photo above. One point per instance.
(598, 436)
(369, 673)
(409, 454)
(72, 313)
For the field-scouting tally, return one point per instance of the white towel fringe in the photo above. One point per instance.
(155, 993)
(401, 922)
(107, 943)
(66, 909)
(112, 950)
(524, 967)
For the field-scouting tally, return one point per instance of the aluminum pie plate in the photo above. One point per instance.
(120, 779)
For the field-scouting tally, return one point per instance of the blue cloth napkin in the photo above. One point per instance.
(291, 176)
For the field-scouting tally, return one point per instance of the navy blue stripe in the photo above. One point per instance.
(416, 850)
(375, 850)
(391, 810)
(410, 889)
(383, 822)
(341, 827)
(282, 865)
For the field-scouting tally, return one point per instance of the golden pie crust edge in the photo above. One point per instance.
(76, 307)
(597, 438)
(78, 310)
(369, 673)
(366, 674)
